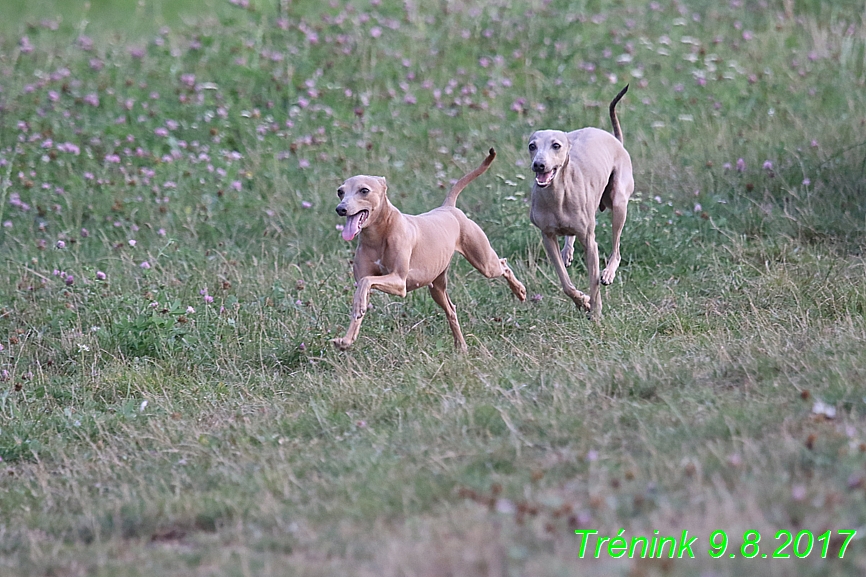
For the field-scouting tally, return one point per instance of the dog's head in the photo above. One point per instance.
(548, 151)
(360, 196)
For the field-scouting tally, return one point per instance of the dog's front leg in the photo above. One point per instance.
(551, 247)
(392, 284)
(590, 251)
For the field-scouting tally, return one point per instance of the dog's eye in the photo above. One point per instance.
(532, 147)
(340, 193)
(556, 146)
(364, 190)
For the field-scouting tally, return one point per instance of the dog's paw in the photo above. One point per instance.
(567, 255)
(582, 302)
(519, 291)
(609, 272)
(341, 344)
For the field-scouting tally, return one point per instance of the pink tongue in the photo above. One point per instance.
(353, 226)
(545, 177)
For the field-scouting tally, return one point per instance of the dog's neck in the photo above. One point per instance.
(380, 224)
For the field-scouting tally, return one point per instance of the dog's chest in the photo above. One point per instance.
(554, 214)
(383, 270)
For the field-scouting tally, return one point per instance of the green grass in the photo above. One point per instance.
(141, 437)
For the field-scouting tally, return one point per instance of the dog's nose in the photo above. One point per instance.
(538, 167)
(341, 210)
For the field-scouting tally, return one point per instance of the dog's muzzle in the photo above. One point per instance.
(544, 178)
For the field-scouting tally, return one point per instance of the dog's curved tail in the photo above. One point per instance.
(617, 131)
(451, 199)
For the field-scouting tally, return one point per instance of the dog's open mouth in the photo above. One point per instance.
(543, 179)
(354, 223)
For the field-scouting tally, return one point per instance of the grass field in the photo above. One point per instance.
(172, 275)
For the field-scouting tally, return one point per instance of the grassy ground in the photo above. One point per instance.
(170, 403)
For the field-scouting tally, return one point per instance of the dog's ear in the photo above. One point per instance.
(383, 183)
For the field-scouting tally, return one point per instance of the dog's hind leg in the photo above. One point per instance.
(437, 291)
(568, 251)
(475, 247)
(619, 212)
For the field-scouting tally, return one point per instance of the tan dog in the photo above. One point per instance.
(576, 173)
(399, 253)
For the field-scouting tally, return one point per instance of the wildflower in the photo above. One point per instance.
(806, 182)
(60, 244)
(69, 147)
(132, 242)
(768, 166)
(190, 310)
(741, 165)
(145, 265)
(100, 275)
(536, 298)
(304, 163)
(236, 185)
(161, 232)
(92, 99)
(375, 32)
(208, 299)
(161, 131)
(306, 204)
(69, 280)
(698, 207)
(85, 233)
